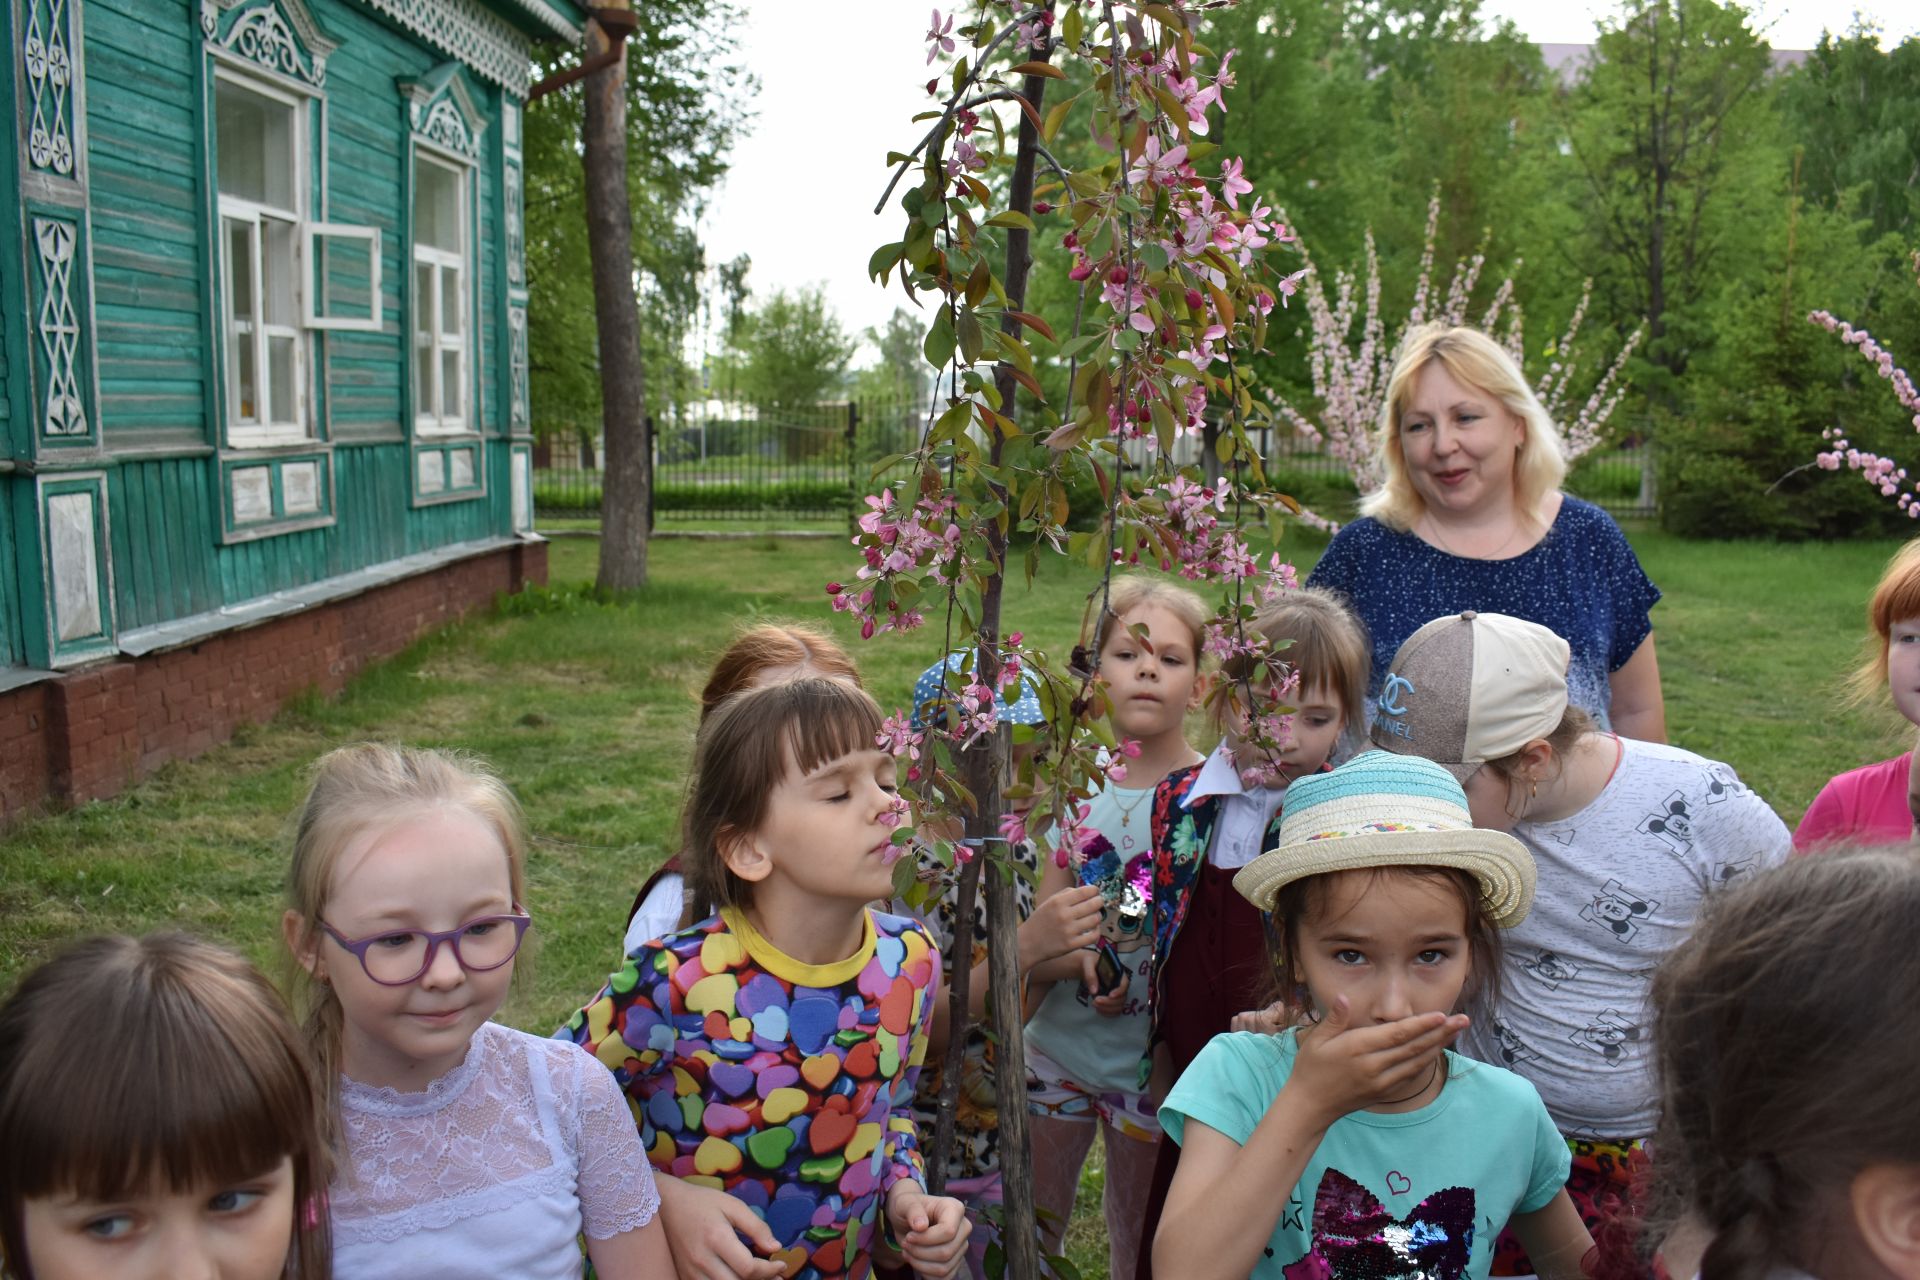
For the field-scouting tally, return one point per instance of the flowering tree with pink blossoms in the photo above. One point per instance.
(1881, 472)
(1169, 247)
(1350, 360)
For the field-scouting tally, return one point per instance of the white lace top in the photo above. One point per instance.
(494, 1170)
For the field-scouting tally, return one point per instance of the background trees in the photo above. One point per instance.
(1706, 183)
(686, 99)
(1713, 190)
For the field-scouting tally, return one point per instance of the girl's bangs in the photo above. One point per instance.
(230, 1112)
(830, 719)
(1897, 598)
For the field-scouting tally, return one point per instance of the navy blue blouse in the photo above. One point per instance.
(1582, 580)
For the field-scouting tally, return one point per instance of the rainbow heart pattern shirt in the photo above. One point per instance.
(789, 1086)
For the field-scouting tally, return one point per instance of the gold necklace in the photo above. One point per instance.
(1433, 528)
(1126, 810)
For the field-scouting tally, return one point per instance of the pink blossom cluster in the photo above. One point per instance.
(899, 739)
(900, 542)
(1182, 519)
(1208, 242)
(1072, 836)
(1268, 720)
(1881, 472)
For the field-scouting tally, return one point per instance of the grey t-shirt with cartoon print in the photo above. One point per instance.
(1620, 885)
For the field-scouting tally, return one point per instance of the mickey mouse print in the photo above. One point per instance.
(1620, 884)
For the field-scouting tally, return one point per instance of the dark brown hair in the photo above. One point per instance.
(1304, 898)
(769, 645)
(755, 741)
(1784, 1034)
(201, 1080)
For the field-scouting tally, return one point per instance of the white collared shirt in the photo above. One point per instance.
(1240, 830)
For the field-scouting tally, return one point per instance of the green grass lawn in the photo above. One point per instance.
(587, 708)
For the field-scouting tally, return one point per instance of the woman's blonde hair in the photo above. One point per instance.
(202, 1081)
(1895, 599)
(358, 788)
(1473, 360)
(1132, 591)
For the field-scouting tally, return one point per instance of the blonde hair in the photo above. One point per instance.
(206, 1083)
(355, 789)
(1895, 599)
(1137, 591)
(1324, 642)
(1474, 360)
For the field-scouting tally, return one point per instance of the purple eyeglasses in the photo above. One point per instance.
(398, 957)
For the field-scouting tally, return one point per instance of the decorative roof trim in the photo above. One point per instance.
(550, 18)
(468, 32)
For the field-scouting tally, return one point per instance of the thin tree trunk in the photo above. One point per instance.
(983, 776)
(623, 378)
(959, 995)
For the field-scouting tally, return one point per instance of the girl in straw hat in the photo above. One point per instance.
(1397, 1156)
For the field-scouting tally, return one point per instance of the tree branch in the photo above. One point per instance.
(953, 105)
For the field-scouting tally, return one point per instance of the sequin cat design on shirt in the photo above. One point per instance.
(1355, 1238)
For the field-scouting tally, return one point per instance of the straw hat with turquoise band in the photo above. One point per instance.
(1385, 810)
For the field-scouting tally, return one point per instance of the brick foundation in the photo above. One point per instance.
(93, 732)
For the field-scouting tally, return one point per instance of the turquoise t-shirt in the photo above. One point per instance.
(1413, 1193)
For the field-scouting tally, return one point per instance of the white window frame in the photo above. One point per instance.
(271, 428)
(430, 419)
(314, 237)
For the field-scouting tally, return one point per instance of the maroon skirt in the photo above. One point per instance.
(1218, 967)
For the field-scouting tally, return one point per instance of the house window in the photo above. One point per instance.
(260, 141)
(442, 282)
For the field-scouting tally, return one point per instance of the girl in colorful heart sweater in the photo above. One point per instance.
(770, 1050)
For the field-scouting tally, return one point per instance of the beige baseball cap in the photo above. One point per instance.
(1472, 687)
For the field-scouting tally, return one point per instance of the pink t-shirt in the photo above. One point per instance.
(1867, 805)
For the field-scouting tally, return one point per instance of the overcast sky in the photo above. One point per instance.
(805, 213)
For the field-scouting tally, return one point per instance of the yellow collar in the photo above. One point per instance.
(785, 967)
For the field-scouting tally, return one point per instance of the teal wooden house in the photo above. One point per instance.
(263, 319)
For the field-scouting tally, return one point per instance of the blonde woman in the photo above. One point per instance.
(1471, 517)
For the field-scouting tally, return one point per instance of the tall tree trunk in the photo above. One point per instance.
(983, 778)
(1659, 123)
(623, 378)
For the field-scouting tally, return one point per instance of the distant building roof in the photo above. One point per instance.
(1566, 61)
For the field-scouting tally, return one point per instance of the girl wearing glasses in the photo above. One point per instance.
(463, 1147)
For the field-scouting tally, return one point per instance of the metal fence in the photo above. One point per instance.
(721, 460)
